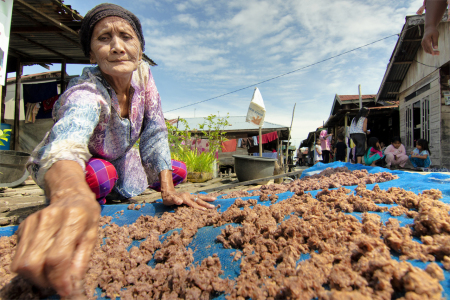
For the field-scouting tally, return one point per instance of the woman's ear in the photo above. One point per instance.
(92, 58)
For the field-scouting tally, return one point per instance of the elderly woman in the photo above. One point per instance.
(98, 120)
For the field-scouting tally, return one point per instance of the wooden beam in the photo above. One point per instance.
(17, 53)
(35, 29)
(41, 46)
(17, 104)
(63, 77)
(412, 40)
(394, 81)
(50, 19)
(393, 93)
(42, 25)
(55, 61)
(233, 185)
(403, 62)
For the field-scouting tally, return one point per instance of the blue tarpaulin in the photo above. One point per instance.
(204, 242)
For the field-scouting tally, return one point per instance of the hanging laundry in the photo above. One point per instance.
(268, 137)
(32, 111)
(48, 104)
(255, 140)
(239, 143)
(229, 146)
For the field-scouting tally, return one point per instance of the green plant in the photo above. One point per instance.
(214, 130)
(180, 142)
(4, 136)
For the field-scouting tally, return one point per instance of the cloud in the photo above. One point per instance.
(187, 19)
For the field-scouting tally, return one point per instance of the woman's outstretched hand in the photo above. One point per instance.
(55, 244)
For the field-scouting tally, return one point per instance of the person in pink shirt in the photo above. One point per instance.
(396, 153)
(325, 143)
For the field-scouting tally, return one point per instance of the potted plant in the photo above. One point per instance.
(200, 163)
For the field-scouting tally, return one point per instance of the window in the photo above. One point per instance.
(417, 121)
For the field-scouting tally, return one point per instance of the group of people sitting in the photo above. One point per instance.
(395, 154)
(376, 154)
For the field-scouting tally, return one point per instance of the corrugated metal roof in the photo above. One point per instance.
(355, 97)
(45, 31)
(402, 57)
(237, 123)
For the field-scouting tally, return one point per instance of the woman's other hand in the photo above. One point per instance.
(172, 197)
(195, 201)
(55, 244)
(430, 40)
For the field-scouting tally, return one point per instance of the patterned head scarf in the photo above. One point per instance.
(100, 12)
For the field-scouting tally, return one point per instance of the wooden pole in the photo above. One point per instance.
(17, 104)
(345, 132)
(289, 138)
(63, 77)
(360, 96)
(260, 142)
(3, 103)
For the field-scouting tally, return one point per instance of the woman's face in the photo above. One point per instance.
(115, 47)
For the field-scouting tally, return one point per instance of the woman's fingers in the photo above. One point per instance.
(60, 256)
(81, 259)
(207, 198)
(36, 237)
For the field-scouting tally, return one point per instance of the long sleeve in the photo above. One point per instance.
(391, 150)
(76, 115)
(154, 144)
(402, 150)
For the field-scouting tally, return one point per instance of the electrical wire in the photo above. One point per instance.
(296, 70)
(425, 64)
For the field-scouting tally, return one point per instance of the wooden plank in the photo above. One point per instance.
(228, 186)
(51, 20)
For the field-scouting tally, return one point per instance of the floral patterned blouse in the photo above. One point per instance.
(88, 124)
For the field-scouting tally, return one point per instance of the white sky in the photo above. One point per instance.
(207, 48)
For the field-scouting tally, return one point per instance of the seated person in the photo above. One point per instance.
(396, 153)
(374, 156)
(420, 157)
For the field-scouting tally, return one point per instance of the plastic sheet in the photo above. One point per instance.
(204, 243)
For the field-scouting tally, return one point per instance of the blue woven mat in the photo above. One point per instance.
(204, 243)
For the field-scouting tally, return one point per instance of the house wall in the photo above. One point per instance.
(418, 71)
(419, 75)
(434, 96)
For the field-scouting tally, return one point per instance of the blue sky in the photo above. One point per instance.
(207, 48)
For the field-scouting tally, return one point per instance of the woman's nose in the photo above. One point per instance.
(117, 45)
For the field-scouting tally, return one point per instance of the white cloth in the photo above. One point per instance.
(317, 156)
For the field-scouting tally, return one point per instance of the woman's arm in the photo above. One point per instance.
(365, 125)
(56, 242)
(155, 153)
(435, 9)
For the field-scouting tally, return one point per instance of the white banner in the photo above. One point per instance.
(256, 110)
(5, 26)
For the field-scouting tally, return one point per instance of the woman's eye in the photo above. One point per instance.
(103, 38)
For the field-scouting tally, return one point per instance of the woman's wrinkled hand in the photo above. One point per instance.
(55, 244)
(430, 40)
(195, 201)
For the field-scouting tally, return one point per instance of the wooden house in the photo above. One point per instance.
(419, 82)
(383, 120)
(238, 129)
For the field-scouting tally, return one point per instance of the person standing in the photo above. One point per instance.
(340, 150)
(326, 145)
(358, 131)
(318, 152)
